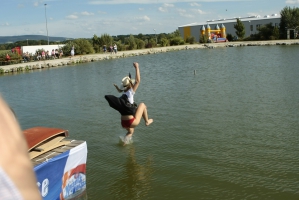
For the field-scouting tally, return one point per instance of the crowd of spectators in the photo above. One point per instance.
(42, 55)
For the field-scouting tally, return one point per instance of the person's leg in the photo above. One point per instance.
(141, 112)
(130, 132)
(128, 136)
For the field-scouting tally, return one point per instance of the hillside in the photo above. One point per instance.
(11, 39)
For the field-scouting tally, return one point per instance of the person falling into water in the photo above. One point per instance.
(125, 105)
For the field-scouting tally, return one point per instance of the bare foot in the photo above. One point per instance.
(149, 121)
(127, 139)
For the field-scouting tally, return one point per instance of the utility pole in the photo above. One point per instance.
(46, 21)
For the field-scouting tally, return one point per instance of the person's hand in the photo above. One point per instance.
(14, 159)
(135, 64)
(117, 88)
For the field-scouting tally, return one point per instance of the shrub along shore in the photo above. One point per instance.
(77, 59)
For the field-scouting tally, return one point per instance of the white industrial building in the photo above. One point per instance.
(251, 24)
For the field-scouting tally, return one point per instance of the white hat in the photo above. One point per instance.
(126, 82)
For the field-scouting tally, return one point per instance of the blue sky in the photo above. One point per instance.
(84, 18)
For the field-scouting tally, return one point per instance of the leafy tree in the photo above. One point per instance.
(190, 40)
(176, 33)
(240, 29)
(148, 43)
(82, 46)
(289, 19)
(152, 41)
(130, 41)
(99, 42)
(161, 35)
(106, 39)
(140, 36)
(275, 33)
(267, 32)
(67, 48)
(140, 44)
(176, 41)
(203, 38)
(164, 42)
(13, 56)
(96, 43)
(229, 37)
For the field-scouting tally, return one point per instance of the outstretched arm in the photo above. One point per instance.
(119, 90)
(137, 77)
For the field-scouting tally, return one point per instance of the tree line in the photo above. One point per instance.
(96, 43)
(289, 20)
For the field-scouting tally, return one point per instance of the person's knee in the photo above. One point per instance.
(142, 105)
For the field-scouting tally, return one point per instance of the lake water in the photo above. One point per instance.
(230, 131)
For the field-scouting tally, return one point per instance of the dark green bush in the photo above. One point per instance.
(229, 37)
(140, 44)
(82, 47)
(203, 38)
(190, 40)
(164, 42)
(176, 41)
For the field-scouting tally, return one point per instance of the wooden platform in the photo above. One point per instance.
(45, 143)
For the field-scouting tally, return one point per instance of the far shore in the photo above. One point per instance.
(77, 59)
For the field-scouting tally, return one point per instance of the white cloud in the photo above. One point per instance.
(101, 2)
(144, 19)
(5, 24)
(184, 13)
(165, 6)
(87, 13)
(161, 9)
(181, 10)
(194, 4)
(102, 12)
(198, 11)
(292, 1)
(141, 9)
(72, 17)
(37, 3)
(168, 5)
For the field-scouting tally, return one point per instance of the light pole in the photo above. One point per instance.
(156, 36)
(27, 42)
(250, 28)
(46, 22)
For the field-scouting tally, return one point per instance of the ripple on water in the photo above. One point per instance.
(227, 132)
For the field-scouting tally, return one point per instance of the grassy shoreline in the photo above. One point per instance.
(27, 66)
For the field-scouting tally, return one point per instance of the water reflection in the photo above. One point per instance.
(82, 196)
(135, 182)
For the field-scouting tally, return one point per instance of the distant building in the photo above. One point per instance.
(251, 24)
